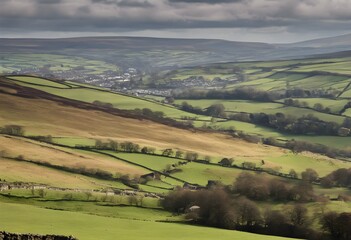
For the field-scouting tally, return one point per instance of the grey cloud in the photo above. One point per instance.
(49, 1)
(133, 15)
(125, 3)
(206, 1)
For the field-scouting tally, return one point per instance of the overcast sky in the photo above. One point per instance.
(240, 20)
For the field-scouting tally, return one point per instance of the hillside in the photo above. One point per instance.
(343, 41)
(148, 54)
(72, 154)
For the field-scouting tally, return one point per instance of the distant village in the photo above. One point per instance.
(128, 81)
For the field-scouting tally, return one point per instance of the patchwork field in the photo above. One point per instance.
(89, 95)
(69, 116)
(10, 62)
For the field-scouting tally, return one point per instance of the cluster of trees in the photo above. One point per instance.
(217, 208)
(309, 93)
(226, 162)
(244, 93)
(297, 103)
(259, 187)
(308, 124)
(338, 225)
(149, 113)
(115, 146)
(135, 148)
(339, 178)
(15, 130)
(47, 138)
(215, 110)
(300, 146)
(159, 116)
(102, 104)
(250, 93)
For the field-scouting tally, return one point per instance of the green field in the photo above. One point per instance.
(158, 163)
(109, 213)
(246, 106)
(299, 163)
(24, 219)
(335, 105)
(54, 62)
(39, 81)
(233, 105)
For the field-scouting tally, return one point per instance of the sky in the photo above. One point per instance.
(272, 21)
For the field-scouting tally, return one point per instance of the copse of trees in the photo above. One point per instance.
(244, 93)
(129, 147)
(47, 138)
(338, 178)
(250, 93)
(102, 104)
(309, 175)
(310, 93)
(216, 110)
(191, 156)
(158, 116)
(226, 162)
(297, 103)
(15, 130)
(338, 225)
(259, 187)
(216, 207)
(110, 145)
(300, 146)
(308, 124)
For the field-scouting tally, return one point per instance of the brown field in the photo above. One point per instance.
(64, 157)
(43, 117)
(14, 171)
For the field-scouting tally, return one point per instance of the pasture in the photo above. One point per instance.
(57, 63)
(58, 156)
(14, 218)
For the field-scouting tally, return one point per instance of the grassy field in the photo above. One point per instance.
(201, 173)
(306, 160)
(13, 171)
(42, 117)
(335, 105)
(74, 159)
(126, 102)
(14, 218)
(158, 163)
(234, 106)
(14, 62)
(333, 141)
(38, 81)
(279, 75)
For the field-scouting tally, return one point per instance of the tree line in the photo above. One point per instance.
(250, 93)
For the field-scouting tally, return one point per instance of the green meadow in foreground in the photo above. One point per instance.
(24, 218)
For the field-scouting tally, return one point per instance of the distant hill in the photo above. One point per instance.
(142, 52)
(149, 53)
(343, 41)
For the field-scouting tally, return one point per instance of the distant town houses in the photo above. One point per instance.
(126, 81)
